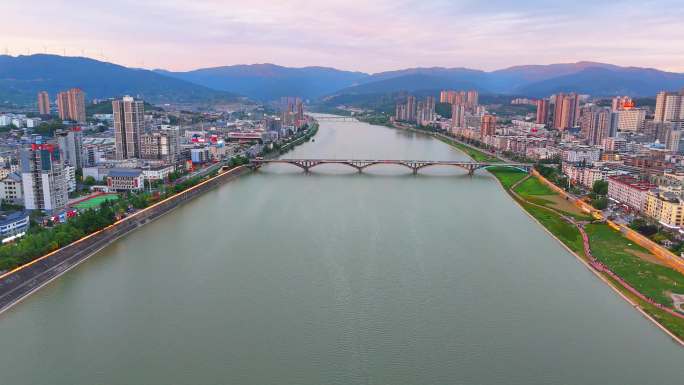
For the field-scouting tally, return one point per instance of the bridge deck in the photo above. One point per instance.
(414, 165)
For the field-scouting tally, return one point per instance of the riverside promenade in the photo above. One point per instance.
(21, 282)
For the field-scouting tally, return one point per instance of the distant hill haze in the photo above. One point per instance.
(596, 79)
(22, 77)
(269, 82)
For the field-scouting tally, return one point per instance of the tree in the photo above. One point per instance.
(600, 203)
(600, 187)
(89, 180)
(49, 128)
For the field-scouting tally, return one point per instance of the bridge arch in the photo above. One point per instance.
(371, 164)
(461, 166)
(413, 165)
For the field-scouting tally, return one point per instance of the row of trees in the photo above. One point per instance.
(42, 240)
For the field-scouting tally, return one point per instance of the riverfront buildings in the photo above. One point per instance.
(629, 191)
(292, 111)
(488, 126)
(413, 111)
(44, 180)
(128, 126)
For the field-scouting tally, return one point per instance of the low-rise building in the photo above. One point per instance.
(13, 225)
(199, 155)
(629, 191)
(586, 176)
(125, 179)
(11, 189)
(666, 208)
(158, 173)
(578, 154)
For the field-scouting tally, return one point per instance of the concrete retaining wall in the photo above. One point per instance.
(22, 281)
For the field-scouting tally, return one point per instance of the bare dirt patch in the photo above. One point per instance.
(648, 257)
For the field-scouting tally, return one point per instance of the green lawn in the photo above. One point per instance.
(566, 232)
(95, 201)
(655, 281)
(508, 176)
(534, 186)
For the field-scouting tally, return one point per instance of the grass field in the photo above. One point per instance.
(533, 186)
(564, 231)
(95, 201)
(507, 176)
(617, 252)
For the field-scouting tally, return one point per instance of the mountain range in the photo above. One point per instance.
(597, 79)
(269, 81)
(22, 77)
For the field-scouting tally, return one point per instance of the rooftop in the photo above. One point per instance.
(124, 172)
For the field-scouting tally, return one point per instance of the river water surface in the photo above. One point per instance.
(337, 278)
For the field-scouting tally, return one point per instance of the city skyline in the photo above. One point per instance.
(352, 35)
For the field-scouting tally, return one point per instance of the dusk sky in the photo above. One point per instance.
(359, 35)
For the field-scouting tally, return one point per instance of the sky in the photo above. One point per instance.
(358, 35)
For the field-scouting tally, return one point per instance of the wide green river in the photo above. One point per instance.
(341, 278)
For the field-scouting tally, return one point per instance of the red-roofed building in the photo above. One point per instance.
(629, 191)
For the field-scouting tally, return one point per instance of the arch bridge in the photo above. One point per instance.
(413, 165)
(336, 118)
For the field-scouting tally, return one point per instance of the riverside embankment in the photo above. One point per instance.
(625, 267)
(24, 280)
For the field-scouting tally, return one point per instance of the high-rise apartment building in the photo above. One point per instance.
(63, 105)
(457, 116)
(128, 126)
(71, 105)
(411, 108)
(43, 178)
(488, 125)
(472, 99)
(631, 119)
(542, 111)
(43, 103)
(597, 124)
(621, 103)
(566, 111)
(400, 112)
(669, 106)
(444, 96)
(70, 144)
(292, 111)
(425, 111)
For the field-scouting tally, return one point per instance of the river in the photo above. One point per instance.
(337, 278)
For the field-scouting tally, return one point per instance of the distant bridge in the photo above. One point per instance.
(335, 118)
(413, 165)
